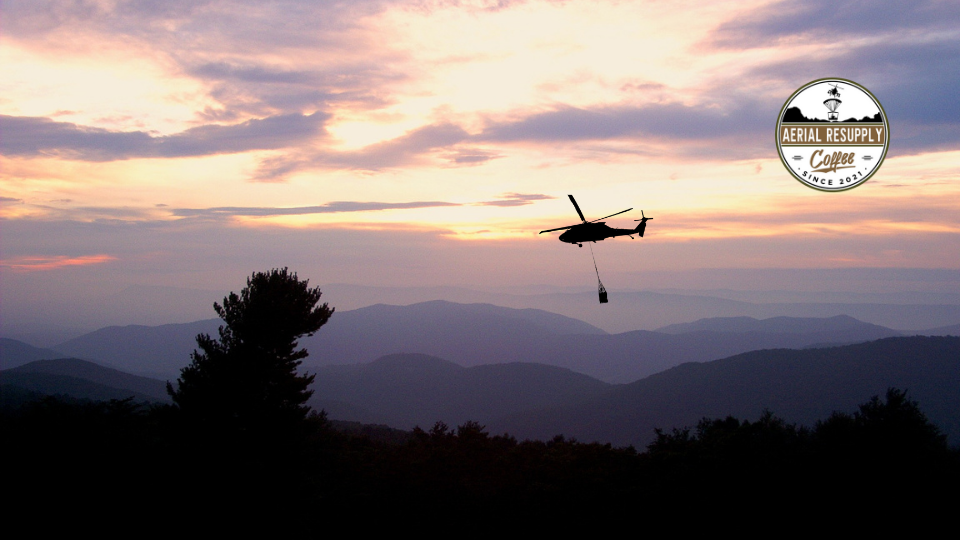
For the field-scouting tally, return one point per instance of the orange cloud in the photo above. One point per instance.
(34, 264)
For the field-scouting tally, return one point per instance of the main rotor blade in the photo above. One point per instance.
(559, 228)
(575, 205)
(611, 215)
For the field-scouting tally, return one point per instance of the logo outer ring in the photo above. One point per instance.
(777, 134)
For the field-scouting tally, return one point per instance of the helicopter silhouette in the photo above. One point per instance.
(596, 230)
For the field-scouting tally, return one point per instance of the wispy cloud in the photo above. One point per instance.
(404, 150)
(672, 120)
(329, 208)
(819, 19)
(516, 199)
(471, 156)
(38, 263)
(262, 88)
(668, 124)
(33, 136)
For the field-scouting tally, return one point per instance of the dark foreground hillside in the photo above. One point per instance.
(96, 466)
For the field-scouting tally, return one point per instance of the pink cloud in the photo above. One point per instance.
(34, 264)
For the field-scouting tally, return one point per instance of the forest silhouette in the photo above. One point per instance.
(238, 452)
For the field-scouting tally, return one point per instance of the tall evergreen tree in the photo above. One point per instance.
(247, 378)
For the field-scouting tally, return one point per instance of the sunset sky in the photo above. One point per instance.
(189, 143)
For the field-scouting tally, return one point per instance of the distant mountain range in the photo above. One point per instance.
(950, 330)
(538, 401)
(472, 335)
(153, 351)
(827, 330)
(630, 310)
(15, 353)
(801, 386)
(406, 390)
(360, 335)
(937, 306)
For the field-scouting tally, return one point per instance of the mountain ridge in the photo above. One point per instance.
(467, 334)
(83, 379)
(800, 386)
(419, 389)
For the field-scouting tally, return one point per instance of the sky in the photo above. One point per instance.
(187, 144)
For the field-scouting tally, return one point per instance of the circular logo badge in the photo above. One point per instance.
(832, 134)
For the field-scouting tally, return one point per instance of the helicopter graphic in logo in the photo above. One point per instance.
(833, 102)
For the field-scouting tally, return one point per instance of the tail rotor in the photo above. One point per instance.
(643, 224)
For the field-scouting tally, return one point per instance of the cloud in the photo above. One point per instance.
(731, 126)
(471, 156)
(327, 54)
(227, 24)
(819, 19)
(39, 263)
(516, 199)
(329, 208)
(403, 149)
(708, 126)
(255, 74)
(672, 120)
(231, 46)
(406, 149)
(258, 88)
(34, 136)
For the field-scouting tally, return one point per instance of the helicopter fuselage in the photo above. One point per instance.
(593, 232)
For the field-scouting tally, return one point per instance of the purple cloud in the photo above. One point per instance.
(33, 136)
(329, 208)
(818, 19)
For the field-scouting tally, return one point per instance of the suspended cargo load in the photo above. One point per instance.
(600, 287)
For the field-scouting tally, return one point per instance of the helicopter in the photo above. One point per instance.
(592, 231)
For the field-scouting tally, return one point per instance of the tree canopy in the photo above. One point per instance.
(247, 377)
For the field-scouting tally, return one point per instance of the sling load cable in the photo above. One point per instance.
(600, 289)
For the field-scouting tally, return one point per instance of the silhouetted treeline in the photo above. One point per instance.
(113, 459)
(887, 446)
